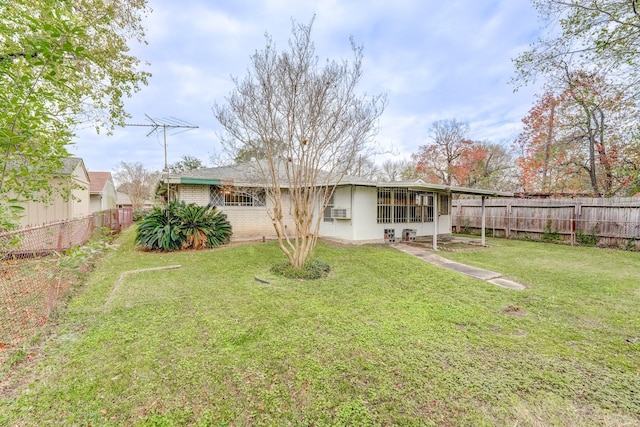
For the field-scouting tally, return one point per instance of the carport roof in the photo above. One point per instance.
(421, 185)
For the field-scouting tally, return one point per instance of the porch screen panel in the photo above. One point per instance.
(400, 205)
(427, 207)
(384, 205)
(415, 206)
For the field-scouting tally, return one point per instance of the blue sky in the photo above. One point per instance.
(435, 60)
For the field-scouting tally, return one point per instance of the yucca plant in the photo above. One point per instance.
(220, 228)
(184, 226)
(202, 226)
(159, 230)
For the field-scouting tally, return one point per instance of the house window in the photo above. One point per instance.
(443, 204)
(326, 217)
(236, 196)
(401, 205)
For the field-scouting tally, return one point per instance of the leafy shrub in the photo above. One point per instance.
(314, 269)
(140, 214)
(183, 226)
(587, 239)
(550, 235)
(79, 258)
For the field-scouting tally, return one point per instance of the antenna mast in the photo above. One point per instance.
(164, 124)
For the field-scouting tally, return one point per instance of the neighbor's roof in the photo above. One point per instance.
(122, 198)
(97, 181)
(69, 164)
(246, 175)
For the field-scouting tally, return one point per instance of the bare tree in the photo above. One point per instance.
(136, 181)
(309, 125)
(397, 170)
(365, 167)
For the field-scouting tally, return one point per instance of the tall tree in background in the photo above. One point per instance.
(364, 167)
(485, 165)
(589, 53)
(582, 139)
(62, 62)
(540, 156)
(436, 161)
(453, 159)
(288, 99)
(186, 163)
(588, 34)
(136, 181)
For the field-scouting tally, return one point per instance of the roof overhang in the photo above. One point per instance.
(414, 185)
(441, 188)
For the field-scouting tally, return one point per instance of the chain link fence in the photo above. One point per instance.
(38, 266)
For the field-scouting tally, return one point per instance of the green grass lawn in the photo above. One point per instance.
(386, 339)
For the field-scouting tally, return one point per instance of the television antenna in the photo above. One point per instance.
(165, 123)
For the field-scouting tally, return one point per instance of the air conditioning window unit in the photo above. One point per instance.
(341, 213)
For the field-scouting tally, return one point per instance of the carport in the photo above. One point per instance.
(419, 185)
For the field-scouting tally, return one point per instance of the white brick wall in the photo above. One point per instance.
(247, 222)
(194, 193)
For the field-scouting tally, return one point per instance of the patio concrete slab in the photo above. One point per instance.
(487, 275)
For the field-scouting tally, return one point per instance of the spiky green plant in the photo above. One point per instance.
(202, 226)
(183, 226)
(158, 230)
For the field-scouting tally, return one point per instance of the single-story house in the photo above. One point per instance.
(360, 211)
(74, 179)
(102, 191)
(124, 201)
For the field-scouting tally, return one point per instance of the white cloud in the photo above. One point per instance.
(435, 60)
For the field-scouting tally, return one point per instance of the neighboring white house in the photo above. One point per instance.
(360, 211)
(73, 179)
(102, 191)
(124, 201)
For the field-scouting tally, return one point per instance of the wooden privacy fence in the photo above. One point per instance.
(605, 222)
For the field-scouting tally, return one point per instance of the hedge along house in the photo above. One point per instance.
(359, 211)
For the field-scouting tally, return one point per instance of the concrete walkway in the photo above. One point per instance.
(478, 273)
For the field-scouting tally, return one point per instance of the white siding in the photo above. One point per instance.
(96, 203)
(59, 209)
(363, 226)
(109, 195)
